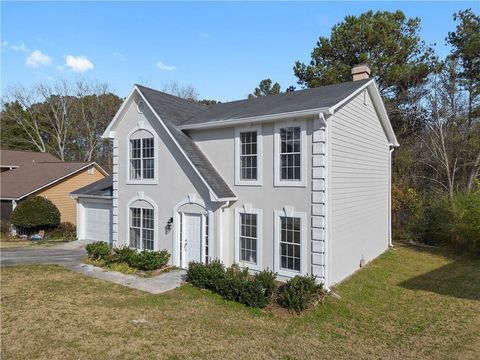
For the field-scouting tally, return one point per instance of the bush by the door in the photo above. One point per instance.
(145, 260)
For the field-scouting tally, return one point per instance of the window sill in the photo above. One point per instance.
(289, 183)
(248, 183)
(288, 273)
(250, 266)
(141, 182)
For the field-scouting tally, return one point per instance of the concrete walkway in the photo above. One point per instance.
(155, 285)
(71, 255)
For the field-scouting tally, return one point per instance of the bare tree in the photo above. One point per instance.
(94, 107)
(187, 92)
(451, 138)
(19, 109)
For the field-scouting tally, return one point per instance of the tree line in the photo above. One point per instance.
(433, 103)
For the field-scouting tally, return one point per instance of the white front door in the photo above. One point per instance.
(192, 239)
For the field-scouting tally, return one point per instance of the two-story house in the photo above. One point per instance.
(297, 182)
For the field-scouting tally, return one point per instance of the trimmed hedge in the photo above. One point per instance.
(35, 213)
(145, 260)
(232, 283)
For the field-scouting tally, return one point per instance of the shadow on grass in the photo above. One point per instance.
(460, 278)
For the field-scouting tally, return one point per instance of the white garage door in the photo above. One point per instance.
(97, 220)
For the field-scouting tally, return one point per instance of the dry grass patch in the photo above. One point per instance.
(410, 303)
(9, 242)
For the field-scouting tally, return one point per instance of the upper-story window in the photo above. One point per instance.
(290, 154)
(248, 158)
(248, 155)
(142, 156)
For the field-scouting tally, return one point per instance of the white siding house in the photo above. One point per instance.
(297, 182)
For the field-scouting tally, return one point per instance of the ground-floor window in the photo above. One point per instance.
(290, 247)
(290, 244)
(142, 228)
(248, 230)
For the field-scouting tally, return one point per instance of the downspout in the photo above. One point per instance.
(390, 241)
(220, 229)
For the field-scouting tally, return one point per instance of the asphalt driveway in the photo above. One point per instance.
(53, 255)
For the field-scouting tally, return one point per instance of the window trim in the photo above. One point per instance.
(247, 209)
(141, 197)
(303, 154)
(142, 126)
(288, 212)
(238, 180)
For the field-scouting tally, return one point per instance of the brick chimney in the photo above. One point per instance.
(360, 72)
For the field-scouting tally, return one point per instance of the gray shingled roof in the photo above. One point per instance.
(321, 97)
(102, 187)
(173, 110)
(177, 112)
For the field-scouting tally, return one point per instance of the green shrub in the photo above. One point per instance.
(232, 284)
(124, 254)
(206, 276)
(300, 292)
(253, 295)
(466, 222)
(99, 251)
(266, 279)
(35, 213)
(150, 260)
(66, 231)
(438, 227)
(407, 213)
(5, 227)
(455, 222)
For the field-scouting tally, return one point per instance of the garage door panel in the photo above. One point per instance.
(97, 221)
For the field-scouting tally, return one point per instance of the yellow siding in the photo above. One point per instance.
(59, 192)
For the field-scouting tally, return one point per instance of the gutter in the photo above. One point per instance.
(76, 196)
(254, 119)
(220, 229)
(390, 240)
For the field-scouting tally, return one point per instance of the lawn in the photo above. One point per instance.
(7, 242)
(410, 303)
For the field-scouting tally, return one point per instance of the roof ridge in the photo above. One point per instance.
(173, 96)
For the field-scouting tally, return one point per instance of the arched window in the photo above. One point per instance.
(141, 225)
(142, 155)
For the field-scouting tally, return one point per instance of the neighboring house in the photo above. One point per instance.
(94, 210)
(26, 173)
(297, 182)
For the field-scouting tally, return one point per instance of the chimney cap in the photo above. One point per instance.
(361, 71)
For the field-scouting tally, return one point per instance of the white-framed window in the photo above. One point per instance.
(290, 166)
(142, 229)
(142, 155)
(248, 156)
(290, 243)
(248, 237)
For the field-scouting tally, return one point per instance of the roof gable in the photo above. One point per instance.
(27, 179)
